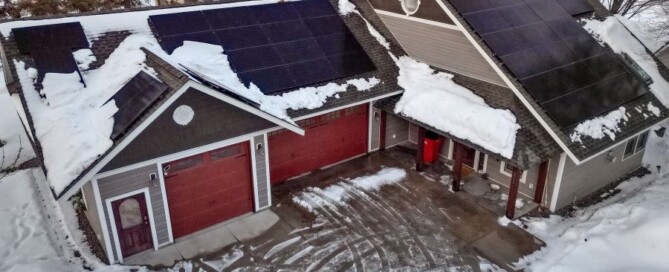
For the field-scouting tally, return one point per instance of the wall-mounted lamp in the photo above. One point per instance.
(610, 157)
(377, 116)
(153, 177)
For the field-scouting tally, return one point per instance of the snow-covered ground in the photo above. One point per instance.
(14, 145)
(626, 232)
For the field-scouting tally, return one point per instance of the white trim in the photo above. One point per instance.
(112, 219)
(83, 198)
(485, 163)
(508, 187)
(254, 175)
(166, 204)
(103, 221)
(502, 170)
(451, 145)
(558, 182)
(624, 157)
(416, 19)
(179, 155)
(269, 185)
(346, 106)
(510, 84)
(370, 127)
(636, 147)
(477, 157)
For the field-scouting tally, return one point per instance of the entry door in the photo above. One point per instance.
(468, 161)
(132, 224)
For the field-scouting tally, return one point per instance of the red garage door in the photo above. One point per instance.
(209, 188)
(329, 138)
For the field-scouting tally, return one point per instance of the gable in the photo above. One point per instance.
(213, 121)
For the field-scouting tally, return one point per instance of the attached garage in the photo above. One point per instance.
(329, 138)
(209, 188)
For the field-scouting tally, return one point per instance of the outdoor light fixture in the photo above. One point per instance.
(153, 177)
(610, 157)
(377, 116)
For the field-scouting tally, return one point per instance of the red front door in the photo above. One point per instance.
(329, 138)
(209, 188)
(132, 224)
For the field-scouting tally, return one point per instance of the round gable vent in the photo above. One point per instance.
(183, 115)
(410, 6)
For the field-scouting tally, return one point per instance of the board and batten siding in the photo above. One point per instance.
(131, 181)
(261, 166)
(93, 213)
(441, 47)
(397, 130)
(579, 181)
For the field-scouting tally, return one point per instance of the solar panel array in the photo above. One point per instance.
(51, 46)
(277, 46)
(133, 99)
(561, 65)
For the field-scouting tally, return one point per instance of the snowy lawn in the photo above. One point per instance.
(627, 232)
(14, 144)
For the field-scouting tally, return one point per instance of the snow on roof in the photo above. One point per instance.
(612, 32)
(599, 127)
(74, 125)
(434, 99)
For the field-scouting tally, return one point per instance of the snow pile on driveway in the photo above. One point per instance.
(434, 99)
(313, 198)
(627, 232)
(614, 33)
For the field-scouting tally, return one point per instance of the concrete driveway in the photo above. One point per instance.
(414, 225)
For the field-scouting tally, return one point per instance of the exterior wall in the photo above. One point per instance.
(261, 162)
(397, 130)
(213, 122)
(428, 9)
(528, 183)
(131, 181)
(413, 133)
(442, 47)
(375, 128)
(93, 213)
(664, 56)
(582, 180)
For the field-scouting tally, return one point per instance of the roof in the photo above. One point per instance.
(587, 147)
(105, 42)
(533, 145)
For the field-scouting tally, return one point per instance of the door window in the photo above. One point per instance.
(130, 213)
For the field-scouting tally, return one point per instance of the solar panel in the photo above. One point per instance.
(58, 36)
(272, 45)
(559, 63)
(133, 99)
(54, 61)
(576, 7)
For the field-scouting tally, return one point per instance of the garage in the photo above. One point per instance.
(329, 138)
(209, 188)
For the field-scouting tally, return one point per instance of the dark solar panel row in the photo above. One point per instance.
(48, 37)
(277, 46)
(133, 100)
(560, 64)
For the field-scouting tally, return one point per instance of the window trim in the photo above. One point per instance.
(625, 155)
(502, 169)
(645, 142)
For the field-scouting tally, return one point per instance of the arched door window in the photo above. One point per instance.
(130, 213)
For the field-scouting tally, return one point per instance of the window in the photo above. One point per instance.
(410, 6)
(641, 142)
(225, 152)
(629, 148)
(507, 170)
(130, 213)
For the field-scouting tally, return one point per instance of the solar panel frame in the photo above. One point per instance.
(47, 37)
(576, 7)
(169, 43)
(179, 23)
(54, 61)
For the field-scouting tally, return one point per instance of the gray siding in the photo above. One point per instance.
(214, 121)
(131, 181)
(376, 129)
(413, 133)
(664, 56)
(582, 180)
(441, 47)
(397, 130)
(262, 180)
(93, 213)
(428, 9)
(528, 185)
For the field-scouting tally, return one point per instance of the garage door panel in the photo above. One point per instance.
(328, 139)
(209, 188)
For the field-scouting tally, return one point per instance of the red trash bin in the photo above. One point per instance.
(431, 147)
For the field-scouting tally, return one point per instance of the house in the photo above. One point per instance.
(663, 55)
(172, 120)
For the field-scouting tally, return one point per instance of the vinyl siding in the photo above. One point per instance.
(441, 47)
(131, 181)
(413, 133)
(397, 130)
(375, 129)
(582, 180)
(664, 56)
(428, 10)
(93, 213)
(553, 168)
(262, 180)
(494, 173)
